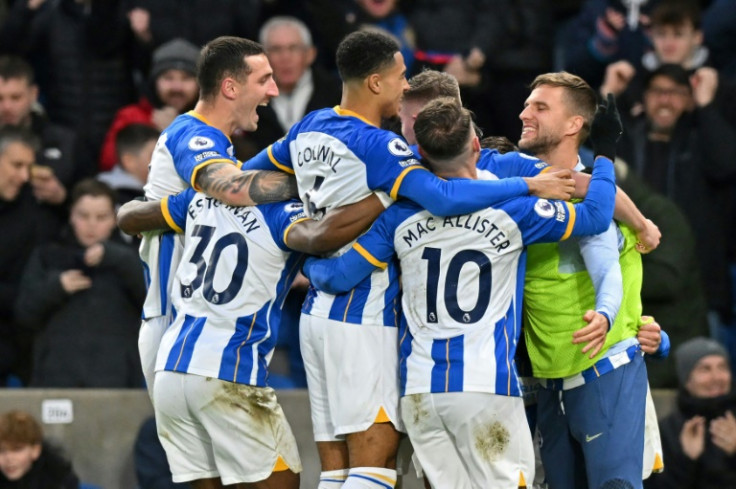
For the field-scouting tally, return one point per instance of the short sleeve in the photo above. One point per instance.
(201, 147)
(280, 217)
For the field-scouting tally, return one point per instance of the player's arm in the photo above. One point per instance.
(601, 256)
(625, 211)
(462, 196)
(168, 214)
(233, 186)
(336, 229)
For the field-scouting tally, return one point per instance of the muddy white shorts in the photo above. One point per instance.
(352, 375)
(212, 428)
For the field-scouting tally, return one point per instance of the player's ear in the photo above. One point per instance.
(228, 88)
(373, 82)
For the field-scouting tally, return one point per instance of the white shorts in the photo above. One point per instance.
(212, 428)
(352, 375)
(149, 339)
(470, 439)
(653, 457)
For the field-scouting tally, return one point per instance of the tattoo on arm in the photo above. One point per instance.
(262, 186)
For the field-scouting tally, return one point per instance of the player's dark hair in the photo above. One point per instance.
(431, 84)
(15, 134)
(581, 99)
(94, 188)
(442, 128)
(133, 137)
(223, 57)
(500, 143)
(676, 13)
(363, 53)
(14, 67)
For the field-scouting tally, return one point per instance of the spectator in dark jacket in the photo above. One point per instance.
(699, 437)
(83, 296)
(26, 462)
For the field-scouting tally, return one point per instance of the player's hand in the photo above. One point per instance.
(606, 129)
(723, 433)
(649, 335)
(594, 334)
(94, 254)
(73, 281)
(692, 437)
(557, 185)
(46, 187)
(648, 237)
(618, 76)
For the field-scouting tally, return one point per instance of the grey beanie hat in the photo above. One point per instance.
(688, 354)
(177, 54)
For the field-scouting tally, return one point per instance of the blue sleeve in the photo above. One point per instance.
(175, 208)
(460, 196)
(664, 347)
(266, 159)
(281, 216)
(600, 254)
(511, 164)
(198, 148)
(372, 250)
(594, 214)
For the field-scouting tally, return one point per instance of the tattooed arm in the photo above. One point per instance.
(232, 186)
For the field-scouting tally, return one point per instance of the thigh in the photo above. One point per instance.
(187, 444)
(362, 376)
(312, 344)
(607, 418)
(433, 444)
(492, 436)
(149, 339)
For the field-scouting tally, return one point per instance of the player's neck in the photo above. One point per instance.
(562, 156)
(363, 105)
(215, 117)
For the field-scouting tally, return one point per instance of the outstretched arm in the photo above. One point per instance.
(136, 216)
(336, 229)
(232, 186)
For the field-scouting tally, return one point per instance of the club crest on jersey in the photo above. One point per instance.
(397, 147)
(544, 208)
(200, 142)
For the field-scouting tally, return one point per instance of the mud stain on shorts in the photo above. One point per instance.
(257, 402)
(418, 413)
(491, 440)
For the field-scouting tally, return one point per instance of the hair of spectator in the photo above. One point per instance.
(677, 13)
(581, 99)
(442, 128)
(20, 428)
(674, 72)
(133, 137)
(363, 53)
(500, 143)
(14, 67)
(14, 134)
(285, 21)
(431, 84)
(93, 188)
(221, 58)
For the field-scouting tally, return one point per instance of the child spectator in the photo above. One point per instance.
(82, 296)
(26, 461)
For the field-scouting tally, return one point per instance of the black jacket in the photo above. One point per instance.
(50, 471)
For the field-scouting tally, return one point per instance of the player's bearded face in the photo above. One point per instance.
(543, 119)
(541, 142)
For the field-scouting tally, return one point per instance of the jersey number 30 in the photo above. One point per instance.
(206, 269)
(432, 255)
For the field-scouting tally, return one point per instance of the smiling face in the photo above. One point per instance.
(664, 103)
(393, 84)
(257, 89)
(544, 120)
(711, 377)
(16, 459)
(177, 89)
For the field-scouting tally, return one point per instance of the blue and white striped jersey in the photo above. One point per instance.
(187, 145)
(462, 282)
(229, 287)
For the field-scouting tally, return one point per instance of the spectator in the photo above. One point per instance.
(151, 467)
(85, 55)
(303, 87)
(134, 145)
(690, 157)
(699, 437)
(719, 27)
(82, 295)
(173, 90)
(19, 106)
(25, 225)
(26, 461)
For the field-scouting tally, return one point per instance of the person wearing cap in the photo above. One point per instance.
(699, 437)
(173, 90)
